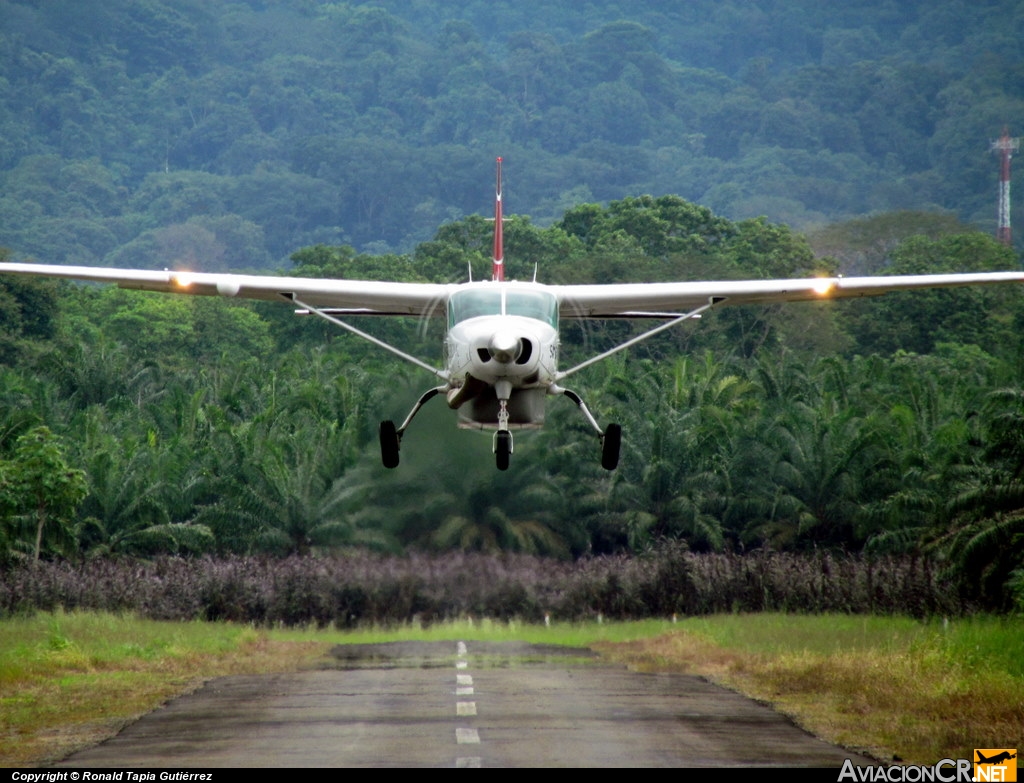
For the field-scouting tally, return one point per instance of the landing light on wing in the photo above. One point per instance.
(182, 280)
(824, 286)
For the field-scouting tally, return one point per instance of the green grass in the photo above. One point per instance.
(69, 680)
(893, 687)
(993, 643)
(45, 643)
(566, 634)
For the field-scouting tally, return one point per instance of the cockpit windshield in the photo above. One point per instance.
(541, 305)
(473, 302)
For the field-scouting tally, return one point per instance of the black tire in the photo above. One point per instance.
(388, 444)
(502, 448)
(610, 445)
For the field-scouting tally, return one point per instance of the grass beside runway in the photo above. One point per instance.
(893, 686)
(896, 688)
(68, 681)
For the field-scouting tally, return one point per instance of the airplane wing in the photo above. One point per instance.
(667, 300)
(622, 300)
(362, 297)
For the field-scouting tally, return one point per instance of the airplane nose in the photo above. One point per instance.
(504, 347)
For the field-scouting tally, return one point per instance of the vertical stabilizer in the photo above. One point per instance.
(498, 260)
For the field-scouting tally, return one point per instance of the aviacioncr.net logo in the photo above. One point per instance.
(946, 771)
(995, 764)
(990, 765)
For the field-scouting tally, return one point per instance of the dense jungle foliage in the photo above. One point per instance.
(349, 140)
(142, 424)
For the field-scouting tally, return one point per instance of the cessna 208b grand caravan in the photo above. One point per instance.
(501, 345)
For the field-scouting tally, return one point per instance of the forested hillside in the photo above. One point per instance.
(229, 134)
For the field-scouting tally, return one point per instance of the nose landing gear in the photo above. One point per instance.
(502, 447)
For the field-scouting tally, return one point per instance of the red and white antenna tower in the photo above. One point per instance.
(1005, 146)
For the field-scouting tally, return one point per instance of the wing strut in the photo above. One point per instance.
(380, 343)
(640, 338)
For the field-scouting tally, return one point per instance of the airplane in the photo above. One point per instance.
(996, 759)
(502, 342)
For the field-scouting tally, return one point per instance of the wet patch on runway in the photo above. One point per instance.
(428, 655)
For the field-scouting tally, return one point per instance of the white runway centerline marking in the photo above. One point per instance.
(464, 687)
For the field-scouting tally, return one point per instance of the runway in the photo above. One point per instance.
(465, 704)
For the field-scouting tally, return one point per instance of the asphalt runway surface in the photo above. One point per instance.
(413, 704)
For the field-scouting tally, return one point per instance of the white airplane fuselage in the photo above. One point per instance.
(502, 342)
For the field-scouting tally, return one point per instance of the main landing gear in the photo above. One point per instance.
(391, 436)
(501, 443)
(611, 438)
(611, 442)
(389, 440)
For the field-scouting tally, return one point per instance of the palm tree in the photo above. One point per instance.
(983, 541)
(17, 413)
(922, 408)
(674, 479)
(281, 489)
(818, 461)
(102, 372)
(142, 495)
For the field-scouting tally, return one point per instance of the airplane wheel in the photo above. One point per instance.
(502, 448)
(610, 444)
(388, 444)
